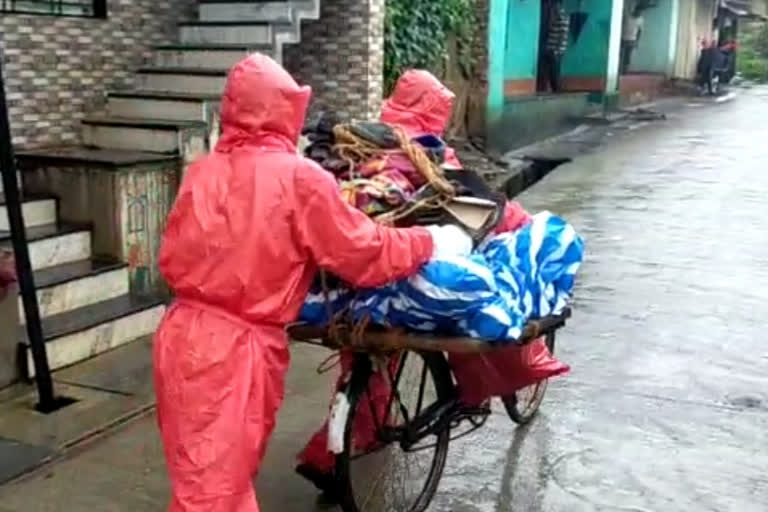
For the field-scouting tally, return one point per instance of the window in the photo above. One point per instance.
(76, 8)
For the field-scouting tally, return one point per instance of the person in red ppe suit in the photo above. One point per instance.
(252, 224)
(420, 104)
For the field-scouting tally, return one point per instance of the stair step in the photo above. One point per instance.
(37, 211)
(85, 332)
(74, 285)
(154, 104)
(211, 56)
(54, 244)
(151, 135)
(183, 80)
(270, 11)
(226, 32)
(84, 156)
(212, 47)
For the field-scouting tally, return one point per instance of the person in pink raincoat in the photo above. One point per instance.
(420, 104)
(252, 224)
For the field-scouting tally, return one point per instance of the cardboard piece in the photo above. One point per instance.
(472, 212)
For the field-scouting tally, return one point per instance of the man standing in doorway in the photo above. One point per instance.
(632, 29)
(557, 26)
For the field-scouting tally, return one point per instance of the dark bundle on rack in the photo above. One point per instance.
(321, 138)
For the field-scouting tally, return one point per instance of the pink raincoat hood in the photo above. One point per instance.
(262, 105)
(419, 104)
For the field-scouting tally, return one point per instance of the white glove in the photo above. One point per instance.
(450, 240)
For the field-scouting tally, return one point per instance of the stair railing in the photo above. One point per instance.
(47, 398)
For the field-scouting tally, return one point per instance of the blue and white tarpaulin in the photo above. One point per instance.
(316, 306)
(488, 295)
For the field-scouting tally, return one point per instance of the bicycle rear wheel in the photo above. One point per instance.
(523, 406)
(384, 472)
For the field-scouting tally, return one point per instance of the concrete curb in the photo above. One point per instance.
(82, 441)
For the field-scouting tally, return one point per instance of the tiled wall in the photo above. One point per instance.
(56, 69)
(342, 57)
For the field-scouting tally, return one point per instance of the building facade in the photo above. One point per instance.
(596, 70)
(108, 101)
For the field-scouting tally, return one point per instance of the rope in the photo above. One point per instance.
(333, 319)
(354, 150)
(425, 165)
(435, 202)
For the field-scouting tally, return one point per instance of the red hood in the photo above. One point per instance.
(262, 105)
(420, 104)
(7, 272)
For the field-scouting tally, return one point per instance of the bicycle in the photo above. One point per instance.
(419, 418)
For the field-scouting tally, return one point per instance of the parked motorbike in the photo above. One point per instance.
(716, 67)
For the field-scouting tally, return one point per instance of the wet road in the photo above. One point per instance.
(666, 408)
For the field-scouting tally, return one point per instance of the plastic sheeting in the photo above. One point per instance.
(488, 295)
(503, 371)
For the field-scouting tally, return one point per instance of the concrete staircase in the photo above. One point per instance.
(90, 302)
(179, 89)
(85, 302)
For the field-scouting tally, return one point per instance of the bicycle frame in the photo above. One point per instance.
(425, 421)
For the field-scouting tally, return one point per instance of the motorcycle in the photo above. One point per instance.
(716, 67)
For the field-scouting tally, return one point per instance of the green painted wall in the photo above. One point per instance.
(656, 51)
(497, 42)
(588, 56)
(531, 118)
(522, 39)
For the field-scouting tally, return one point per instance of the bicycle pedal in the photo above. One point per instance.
(390, 435)
(475, 411)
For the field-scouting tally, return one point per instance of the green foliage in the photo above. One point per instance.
(416, 33)
(754, 69)
(761, 41)
(753, 53)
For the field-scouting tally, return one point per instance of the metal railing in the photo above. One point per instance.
(48, 401)
(74, 8)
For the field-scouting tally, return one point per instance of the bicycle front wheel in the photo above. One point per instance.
(380, 469)
(523, 406)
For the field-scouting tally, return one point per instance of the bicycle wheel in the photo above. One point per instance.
(385, 473)
(524, 404)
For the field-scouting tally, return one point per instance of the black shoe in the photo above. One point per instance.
(327, 500)
(325, 483)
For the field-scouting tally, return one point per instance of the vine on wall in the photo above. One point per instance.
(417, 32)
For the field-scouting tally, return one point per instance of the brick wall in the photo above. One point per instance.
(342, 57)
(57, 69)
(479, 85)
(480, 42)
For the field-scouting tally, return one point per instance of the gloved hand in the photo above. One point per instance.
(450, 240)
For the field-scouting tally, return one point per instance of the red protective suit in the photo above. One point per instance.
(251, 225)
(420, 104)
(7, 272)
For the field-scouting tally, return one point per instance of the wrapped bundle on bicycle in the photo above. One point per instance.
(425, 355)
